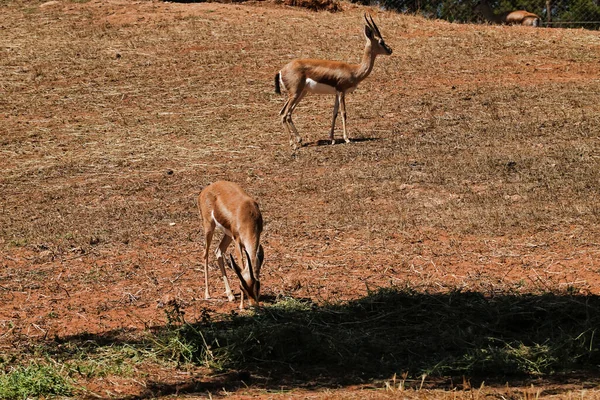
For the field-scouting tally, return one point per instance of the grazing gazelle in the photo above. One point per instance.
(302, 76)
(227, 206)
(519, 17)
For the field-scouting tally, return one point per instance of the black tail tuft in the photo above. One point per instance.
(277, 87)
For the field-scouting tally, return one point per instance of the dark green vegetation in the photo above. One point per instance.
(35, 380)
(569, 13)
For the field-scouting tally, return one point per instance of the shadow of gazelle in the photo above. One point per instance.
(327, 142)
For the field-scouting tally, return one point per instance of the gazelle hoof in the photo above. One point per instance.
(296, 145)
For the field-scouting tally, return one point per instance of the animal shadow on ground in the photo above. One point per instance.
(327, 142)
(197, 1)
(446, 336)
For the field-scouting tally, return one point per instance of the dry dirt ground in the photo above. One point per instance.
(474, 166)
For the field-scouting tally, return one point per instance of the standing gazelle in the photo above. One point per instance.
(227, 206)
(302, 76)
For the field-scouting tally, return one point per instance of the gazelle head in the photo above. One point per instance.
(374, 36)
(249, 280)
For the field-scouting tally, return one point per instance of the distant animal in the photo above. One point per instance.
(302, 76)
(225, 205)
(519, 17)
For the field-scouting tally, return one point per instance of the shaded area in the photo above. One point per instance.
(446, 336)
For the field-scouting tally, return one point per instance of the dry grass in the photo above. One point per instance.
(476, 162)
(471, 133)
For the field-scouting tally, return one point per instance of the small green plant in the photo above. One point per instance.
(35, 380)
(19, 242)
(104, 361)
(183, 342)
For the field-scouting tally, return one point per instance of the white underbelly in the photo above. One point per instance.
(221, 227)
(320, 88)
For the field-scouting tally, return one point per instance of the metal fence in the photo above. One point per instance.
(552, 13)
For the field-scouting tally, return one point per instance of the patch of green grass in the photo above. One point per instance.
(56, 368)
(104, 360)
(19, 242)
(35, 380)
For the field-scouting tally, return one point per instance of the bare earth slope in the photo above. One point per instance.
(475, 163)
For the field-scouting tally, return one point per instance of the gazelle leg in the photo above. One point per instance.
(288, 129)
(336, 107)
(282, 111)
(343, 107)
(284, 122)
(208, 233)
(287, 119)
(219, 253)
(298, 139)
(297, 101)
